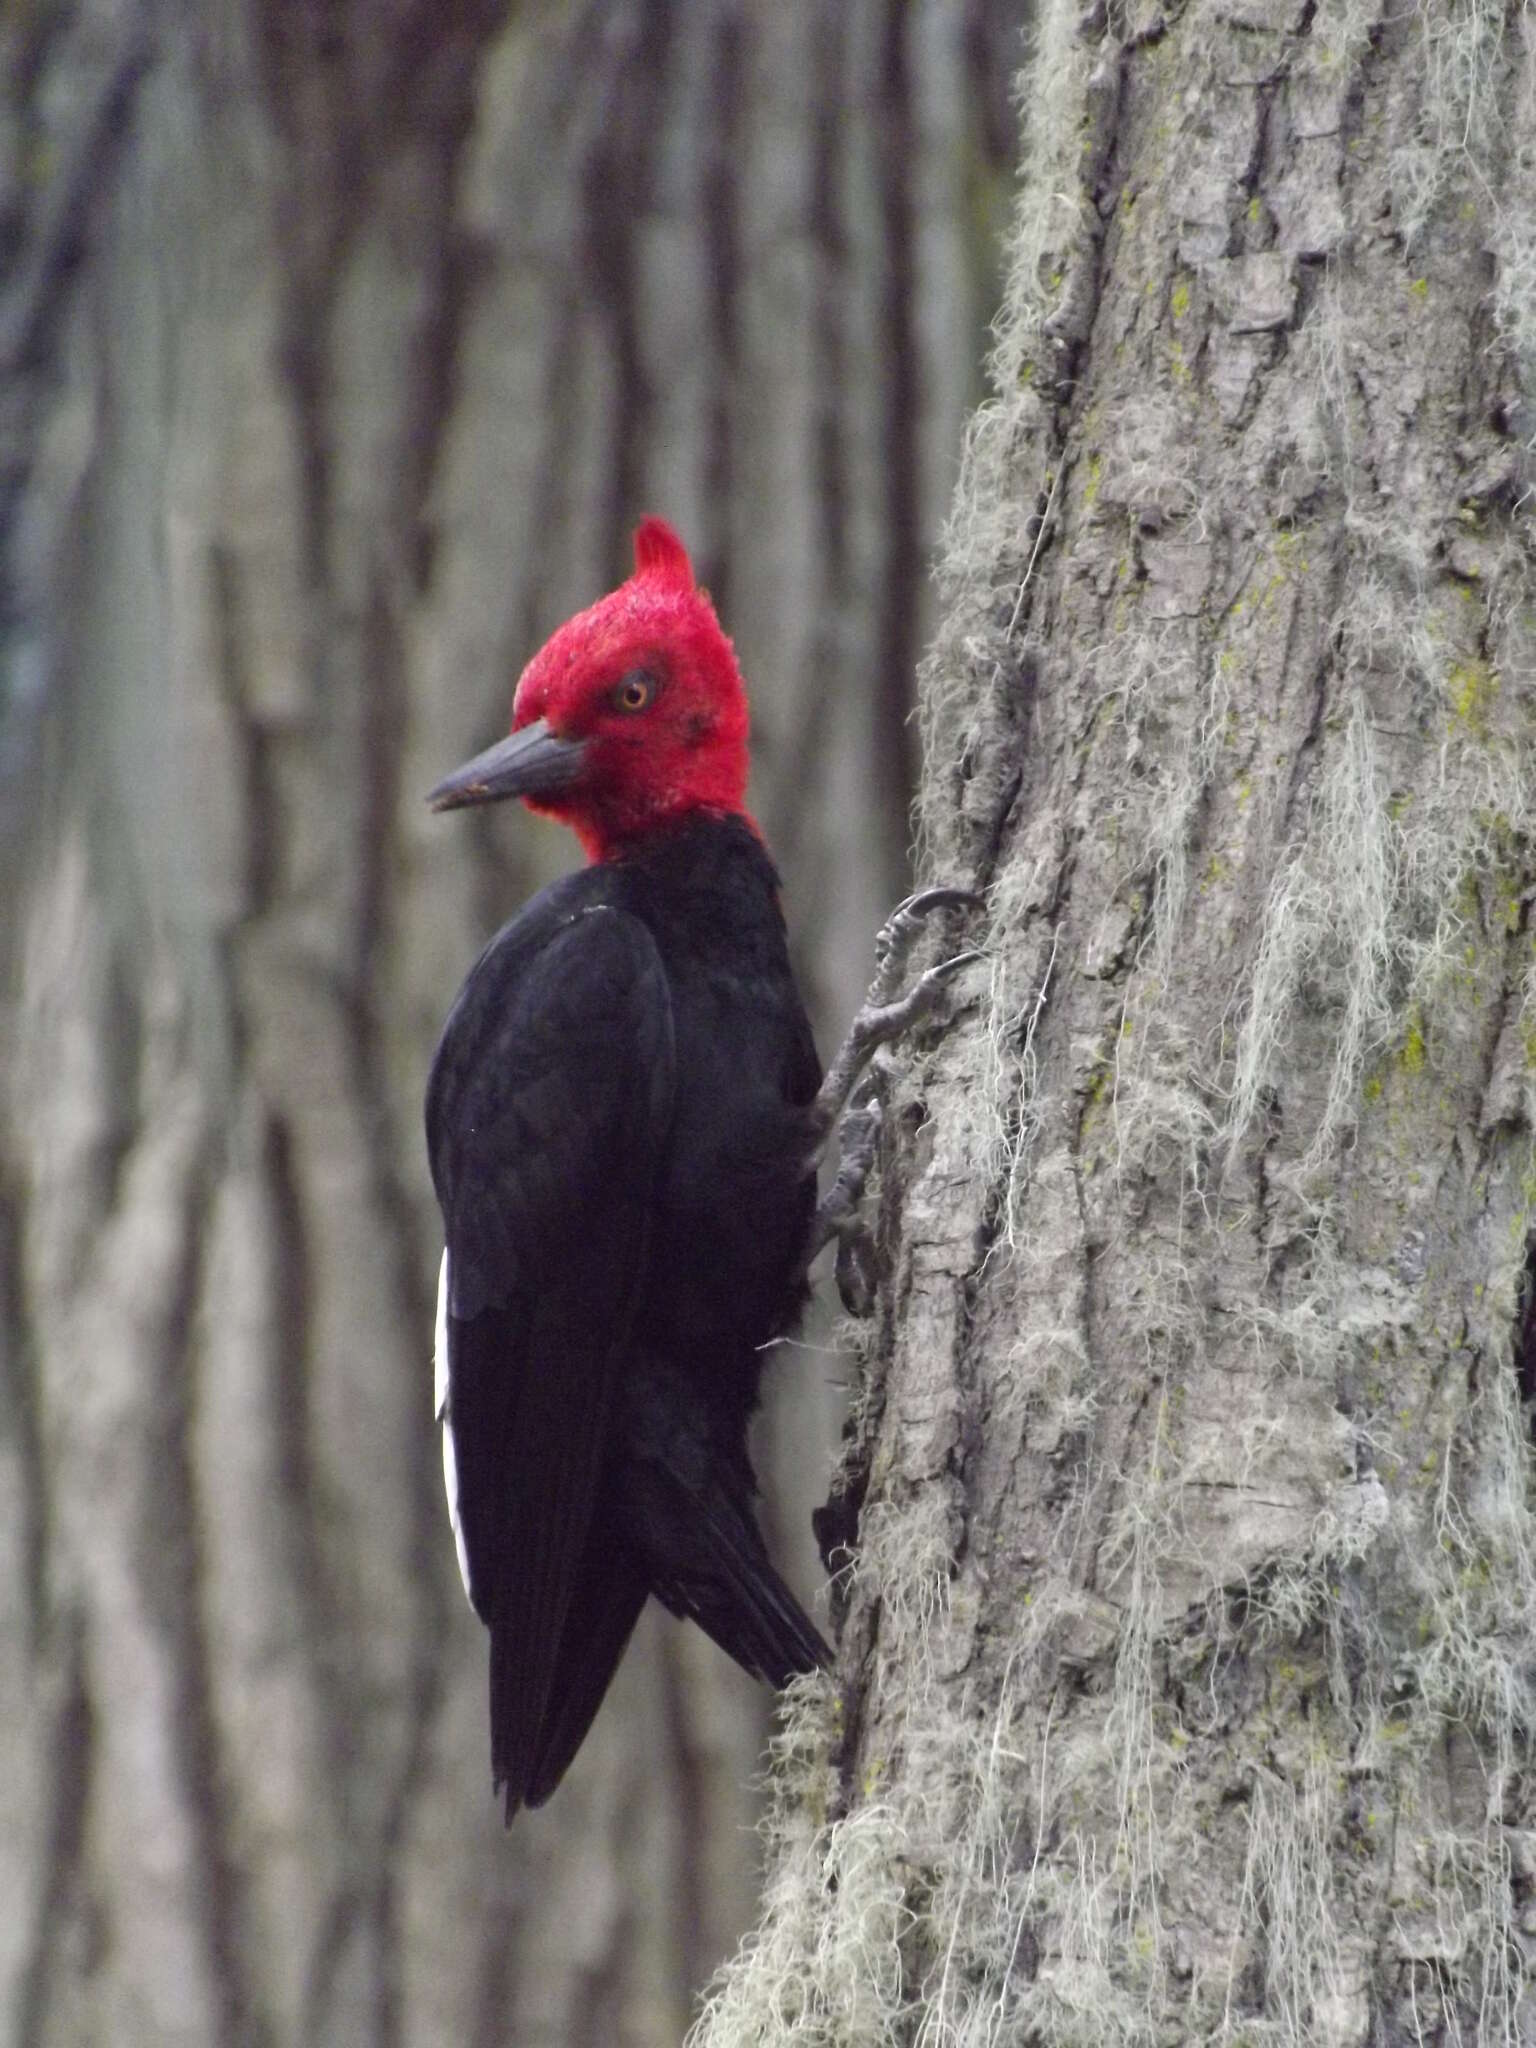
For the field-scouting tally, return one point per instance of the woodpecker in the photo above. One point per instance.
(624, 1117)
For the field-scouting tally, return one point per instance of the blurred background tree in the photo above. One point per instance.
(341, 345)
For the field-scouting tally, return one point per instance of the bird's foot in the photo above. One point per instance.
(858, 1140)
(888, 1010)
(850, 1099)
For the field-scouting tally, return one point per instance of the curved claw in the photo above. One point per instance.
(922, 901)
(946, 968)
(900, 929)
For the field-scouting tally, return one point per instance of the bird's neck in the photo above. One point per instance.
(710, 895)
(707, 868)
(652, 838)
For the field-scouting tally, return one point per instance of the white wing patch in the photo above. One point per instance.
(440, 1401)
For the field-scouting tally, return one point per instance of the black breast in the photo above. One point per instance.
(736, 1192)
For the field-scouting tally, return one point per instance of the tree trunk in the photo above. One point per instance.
(342, 346)
(1190, 1640)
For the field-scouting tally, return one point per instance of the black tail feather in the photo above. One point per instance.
(724, 1582)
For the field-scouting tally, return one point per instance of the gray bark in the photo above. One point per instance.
(342, 347)
(1188, 1663)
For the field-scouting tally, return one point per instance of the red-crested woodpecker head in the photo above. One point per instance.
(630, 716)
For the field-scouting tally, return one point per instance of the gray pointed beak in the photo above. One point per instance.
(531, 762)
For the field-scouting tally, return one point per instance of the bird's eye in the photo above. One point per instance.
(636, 692)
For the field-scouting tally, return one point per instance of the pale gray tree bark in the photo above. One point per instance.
(341, 346)
(1189, 1663)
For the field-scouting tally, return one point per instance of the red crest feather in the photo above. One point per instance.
(659, 552)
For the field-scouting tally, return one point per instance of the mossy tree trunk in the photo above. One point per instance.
(341, 346)
(1190, 1648)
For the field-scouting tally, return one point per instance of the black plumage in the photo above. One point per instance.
(617, 1129)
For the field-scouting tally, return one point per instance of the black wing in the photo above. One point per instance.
(547, 1113)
